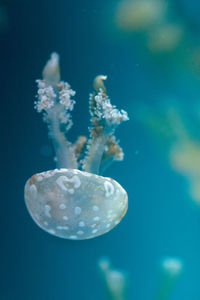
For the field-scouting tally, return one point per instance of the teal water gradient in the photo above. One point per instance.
(161, 220)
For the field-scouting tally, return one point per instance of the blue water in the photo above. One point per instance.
(161, 221)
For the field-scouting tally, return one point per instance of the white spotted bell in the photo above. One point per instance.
(68, 202)
(74, 204)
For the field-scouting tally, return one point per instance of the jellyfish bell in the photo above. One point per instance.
(74, 204)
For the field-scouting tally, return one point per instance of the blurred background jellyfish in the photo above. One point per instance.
(163, 30)
(139, 15)
(115, 280)
(169, 126)
(170, 270)
(164, 38)
(153, 21)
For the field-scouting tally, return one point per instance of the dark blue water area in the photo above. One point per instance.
(162, 220)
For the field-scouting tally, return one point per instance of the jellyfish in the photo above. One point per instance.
(74, 201)
(170, 127)
(170, 270)
(115, 280)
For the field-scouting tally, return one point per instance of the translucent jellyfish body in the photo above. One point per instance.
(74, 201)
(74, 204)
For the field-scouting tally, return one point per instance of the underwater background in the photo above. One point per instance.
(155, 77)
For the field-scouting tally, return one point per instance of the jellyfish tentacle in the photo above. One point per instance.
(116, 281)
(170, 270)
(64, 150)
(79, 145)
(54, 100)
(112, 153)
(96, 148)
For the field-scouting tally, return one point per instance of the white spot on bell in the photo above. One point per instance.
(62, 206)
(76, 181)
(52, 231)
(73, 237)
(62, 227)
(95, 208)
(47, 209)
(37, 216)
(80, 232)
(64, 182)
(33, 191)
(109, 188)
(81, 224)
(60, 181)
(39, 178)
(77, 210)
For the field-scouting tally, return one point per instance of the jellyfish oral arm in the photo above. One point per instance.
(54, 101)
(96, 150)
(65, 157)
(102, 146)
